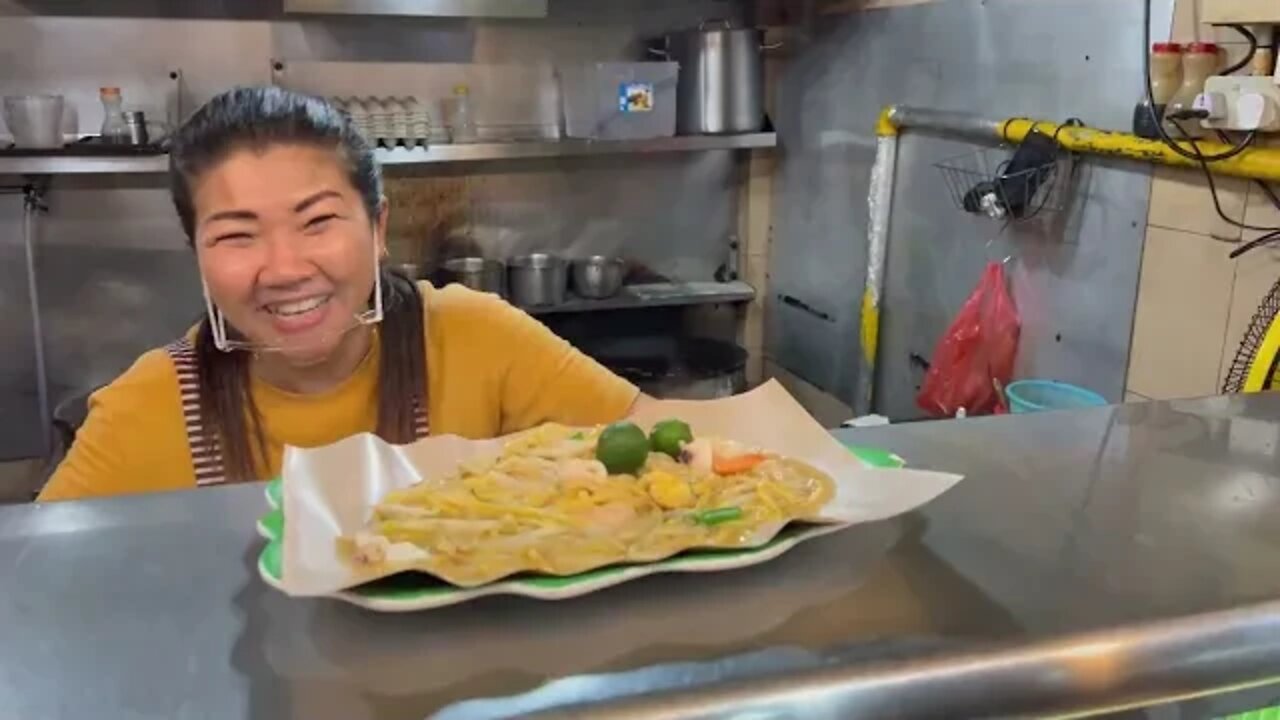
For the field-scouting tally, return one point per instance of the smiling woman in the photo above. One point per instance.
(307, 338)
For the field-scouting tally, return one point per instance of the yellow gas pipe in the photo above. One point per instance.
(1257, 163)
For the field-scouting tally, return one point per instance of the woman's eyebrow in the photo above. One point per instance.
(232, 215)
(313, 199)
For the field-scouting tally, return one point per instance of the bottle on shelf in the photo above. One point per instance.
(462, 124)
(1199, 62)
(1166, 78)
(114, 127)
(1264, 63)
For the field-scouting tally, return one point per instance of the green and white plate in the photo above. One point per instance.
(409, 592)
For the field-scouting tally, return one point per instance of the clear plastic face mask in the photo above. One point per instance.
(218, 322)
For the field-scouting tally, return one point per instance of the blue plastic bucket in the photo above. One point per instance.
(1027, 396)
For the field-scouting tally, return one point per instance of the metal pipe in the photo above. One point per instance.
(31, 207)
(879, 205)
(1257, 163)
(973, 127)
(1101, 671)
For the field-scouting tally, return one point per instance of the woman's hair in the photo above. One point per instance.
(254, 119)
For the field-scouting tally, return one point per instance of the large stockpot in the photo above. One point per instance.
(478, 274)
(721, 86)
(538, 279)
(598, 276)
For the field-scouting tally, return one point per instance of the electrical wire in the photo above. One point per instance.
(1155, 115)
(1271, 194)
(1255, 243)
(1271, 234)
(1213, 187)
(1248, 58)
(1262, 184)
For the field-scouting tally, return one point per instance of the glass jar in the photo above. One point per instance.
(114, 127)
(462, 121)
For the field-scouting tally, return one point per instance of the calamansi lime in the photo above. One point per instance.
(669, 436)
(622, 448)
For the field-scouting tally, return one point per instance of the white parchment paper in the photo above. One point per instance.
(330, 491)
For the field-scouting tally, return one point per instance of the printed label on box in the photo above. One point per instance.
(635, 97)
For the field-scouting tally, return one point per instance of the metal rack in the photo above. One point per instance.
(405, 158)
(651, 295)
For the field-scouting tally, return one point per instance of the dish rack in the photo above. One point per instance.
(388, 121)
(983, 183)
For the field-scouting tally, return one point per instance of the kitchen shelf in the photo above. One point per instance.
(404, 158)
(570, 148)
(83, 164)
(651, 295)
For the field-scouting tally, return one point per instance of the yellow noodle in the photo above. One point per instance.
(543, 504)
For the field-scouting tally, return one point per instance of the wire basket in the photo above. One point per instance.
(981, 183)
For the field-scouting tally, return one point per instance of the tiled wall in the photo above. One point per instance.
(1194, 303)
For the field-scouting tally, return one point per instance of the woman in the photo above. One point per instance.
(307, 340)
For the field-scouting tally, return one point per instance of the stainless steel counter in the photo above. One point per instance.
(1067, 524)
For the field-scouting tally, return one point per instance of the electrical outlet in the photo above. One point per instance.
(1241, 102)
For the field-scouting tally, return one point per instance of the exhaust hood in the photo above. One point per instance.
(422, 8)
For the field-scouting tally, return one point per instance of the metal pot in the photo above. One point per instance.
(598, 276)
(721, 86)
(478, 274)
(538, 279)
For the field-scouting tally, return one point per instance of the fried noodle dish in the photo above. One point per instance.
(561, 501)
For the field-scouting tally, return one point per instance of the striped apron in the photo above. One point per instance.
(206, 456)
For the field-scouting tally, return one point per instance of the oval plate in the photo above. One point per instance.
(409, 592)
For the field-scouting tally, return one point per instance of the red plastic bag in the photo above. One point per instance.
(977, 348)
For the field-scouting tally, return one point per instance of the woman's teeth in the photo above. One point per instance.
(297, 307)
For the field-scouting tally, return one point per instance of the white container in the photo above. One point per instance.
(35, 121)
(619, 100)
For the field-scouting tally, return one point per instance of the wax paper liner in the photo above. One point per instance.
(330, 491)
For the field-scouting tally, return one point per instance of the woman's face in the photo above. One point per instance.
(286, 247)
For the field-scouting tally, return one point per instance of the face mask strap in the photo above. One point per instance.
(217, 321)
(377, 286)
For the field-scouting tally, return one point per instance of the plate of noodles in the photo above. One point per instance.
(558, 511)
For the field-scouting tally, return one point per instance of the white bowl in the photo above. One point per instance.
(35, 121)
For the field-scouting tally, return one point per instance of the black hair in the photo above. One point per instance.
(256, 118)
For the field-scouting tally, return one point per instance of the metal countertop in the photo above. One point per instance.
(1066, 523)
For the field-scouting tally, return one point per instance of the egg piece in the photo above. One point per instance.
(668, 491)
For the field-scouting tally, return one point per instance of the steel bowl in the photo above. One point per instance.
(598, 276)
(478, 274)
(538, 279)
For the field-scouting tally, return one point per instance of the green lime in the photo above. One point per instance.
(622, 448)
(669, 436)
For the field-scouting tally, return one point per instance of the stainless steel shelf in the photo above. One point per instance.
(403, 158)
(422, 8)
(83, 164)
(569, 148)
(657, 295)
